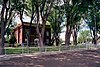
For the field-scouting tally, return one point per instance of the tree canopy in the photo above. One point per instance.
(54, 11)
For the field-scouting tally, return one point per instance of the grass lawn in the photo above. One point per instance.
(20, 50)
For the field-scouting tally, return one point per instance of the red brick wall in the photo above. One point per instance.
(18, 34)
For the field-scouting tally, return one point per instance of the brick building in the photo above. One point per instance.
(21, 35)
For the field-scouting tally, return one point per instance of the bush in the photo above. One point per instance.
(12, 40)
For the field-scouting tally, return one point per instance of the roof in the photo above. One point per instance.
(28, 24)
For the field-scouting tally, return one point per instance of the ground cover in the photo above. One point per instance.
(20, 50)
(85, 58)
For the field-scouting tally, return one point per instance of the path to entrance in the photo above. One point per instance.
(86, 58)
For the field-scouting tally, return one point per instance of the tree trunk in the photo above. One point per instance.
(44, 14)
(2, 38)
(30, 29)
(74, 35)
(74, 39)
(94, 38)
(39, 33)
(67, 35)
(2, 27)
(57, 40)
(41, 43)
(21, 19)
(52, 40)
(41, 38)
(98, 38)
(43, 30)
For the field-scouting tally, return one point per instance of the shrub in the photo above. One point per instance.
(12, 40)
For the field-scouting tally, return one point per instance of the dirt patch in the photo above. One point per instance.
(87, 58)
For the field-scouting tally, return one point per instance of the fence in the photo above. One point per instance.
(25, 49)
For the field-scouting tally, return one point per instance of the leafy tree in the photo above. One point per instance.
(31, 12)
(92, 18)
(56, 21)
(7, 13)
(12, 40)
(84, 36)
(75, 25)
(9, 9)
(71, 8)
(41, 9)
(22, 7)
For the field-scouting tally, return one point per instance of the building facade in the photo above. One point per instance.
(22, 32)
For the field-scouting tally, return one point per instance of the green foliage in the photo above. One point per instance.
(12, 40)
(72, 11)
(90, 11)
(56, 20)
(92, 15)
(84, 36)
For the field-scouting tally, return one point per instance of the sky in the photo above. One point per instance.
(25, 19)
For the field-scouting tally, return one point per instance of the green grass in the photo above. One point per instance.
(13, 51)
(52, 49)
(20, 50)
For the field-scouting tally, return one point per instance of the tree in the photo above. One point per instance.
(71, 12)
(75, 28)
(6, 15)
(32, 11)
(75, 22)
(43, 9)
(84, 36)
(9, 9)
(22, 8)
(92, 18)
(56, 21)
(2, 27)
